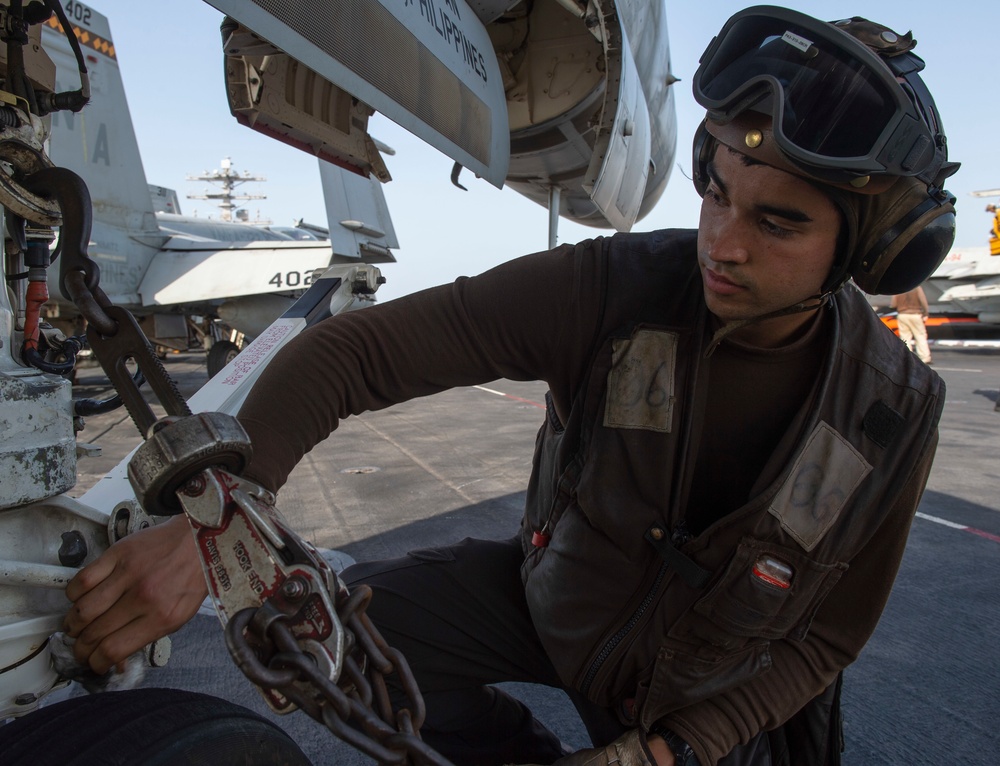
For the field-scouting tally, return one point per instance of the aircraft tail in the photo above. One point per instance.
(98, 143)
(360, 226)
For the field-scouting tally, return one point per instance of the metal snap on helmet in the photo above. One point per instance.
(840, 104)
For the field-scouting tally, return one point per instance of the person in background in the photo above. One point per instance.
(994, 229)
(911, 314)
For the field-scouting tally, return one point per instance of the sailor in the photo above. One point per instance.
(733, 450)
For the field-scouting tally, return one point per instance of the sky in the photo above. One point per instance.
(171, 60)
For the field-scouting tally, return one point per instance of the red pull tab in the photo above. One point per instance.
(773, 572)
(540, 540)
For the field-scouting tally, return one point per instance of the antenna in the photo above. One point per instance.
(229, 179)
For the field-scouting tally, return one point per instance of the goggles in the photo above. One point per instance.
(837, 109)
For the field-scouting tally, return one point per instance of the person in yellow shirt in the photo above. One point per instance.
(995, 230)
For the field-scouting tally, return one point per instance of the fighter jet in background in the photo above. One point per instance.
(180, 274)
(969, 279)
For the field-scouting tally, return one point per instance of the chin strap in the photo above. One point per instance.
(809, 304)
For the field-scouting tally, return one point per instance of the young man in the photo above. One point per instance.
(733, 451)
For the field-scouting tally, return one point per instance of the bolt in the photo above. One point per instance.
(73, 550)
(121, 523)
(293, 589)
(656, 533)
(195, 486)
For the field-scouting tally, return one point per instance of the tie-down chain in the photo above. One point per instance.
(292, 626)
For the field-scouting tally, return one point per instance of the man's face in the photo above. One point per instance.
(766, 240)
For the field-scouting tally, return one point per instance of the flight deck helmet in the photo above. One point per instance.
(842, 105)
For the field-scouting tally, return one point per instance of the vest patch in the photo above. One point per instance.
(881, 423)
(641, 381)
(821, 482)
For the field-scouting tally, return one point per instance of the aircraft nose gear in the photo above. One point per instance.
(292, 626)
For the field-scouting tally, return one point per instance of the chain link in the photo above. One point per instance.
(113, 332)
(358, 709)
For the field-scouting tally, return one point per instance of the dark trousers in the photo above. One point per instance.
(459, 616)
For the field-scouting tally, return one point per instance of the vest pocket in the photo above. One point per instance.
(681, 678)
(768, 591)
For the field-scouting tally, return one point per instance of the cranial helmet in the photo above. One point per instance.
(840, 104)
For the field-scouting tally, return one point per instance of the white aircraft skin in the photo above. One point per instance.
(975, 288)
(575, 110)
(163, 266)
(537, 161)
(969, 279)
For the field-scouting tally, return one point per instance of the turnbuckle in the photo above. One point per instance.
(291, 624)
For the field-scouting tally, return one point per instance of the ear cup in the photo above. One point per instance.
(905, 234)
(703, 149)
(918, 259)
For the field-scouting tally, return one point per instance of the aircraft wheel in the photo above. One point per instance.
(220, 354)
(147, 727)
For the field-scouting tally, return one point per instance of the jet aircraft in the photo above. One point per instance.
(178, 274)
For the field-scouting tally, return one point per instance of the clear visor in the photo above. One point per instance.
(823, 99)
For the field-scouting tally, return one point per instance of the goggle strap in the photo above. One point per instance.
(906, 64)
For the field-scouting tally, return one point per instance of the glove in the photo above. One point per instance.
(130, 676)
(630, 749)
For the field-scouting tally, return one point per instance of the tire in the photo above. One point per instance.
(146, 727)
(220, 354)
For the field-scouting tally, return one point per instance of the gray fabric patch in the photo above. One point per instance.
(641, 381)
(821, 482)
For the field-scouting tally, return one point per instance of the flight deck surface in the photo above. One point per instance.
(925, 690)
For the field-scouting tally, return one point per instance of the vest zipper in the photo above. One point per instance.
(617, 638)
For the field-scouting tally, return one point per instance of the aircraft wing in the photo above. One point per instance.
(187, 270)
(962, 263)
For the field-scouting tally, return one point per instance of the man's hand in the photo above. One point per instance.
(142, 588)
(631, 749)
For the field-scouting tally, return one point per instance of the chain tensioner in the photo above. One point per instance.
(292, 626)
